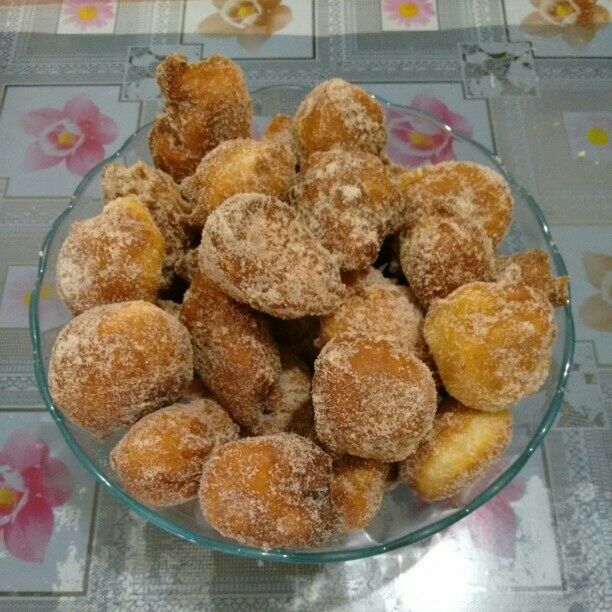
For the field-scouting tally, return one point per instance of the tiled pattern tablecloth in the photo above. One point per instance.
(535, 92)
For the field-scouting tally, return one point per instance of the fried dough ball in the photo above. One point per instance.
(114, 363)
(279, 124)
(260, 252)
(372, 399)
(224, 429)
(533, 268)
(492, 343)
(234, 353)
(114, 257)
(464, 444)
(206, 103)
(357, 490)
(270, 491)
(162, 198)
(466, 189)
(288, 407)
(337, 114)
(280, 129)
(348, 202)
(375, 308)
(441, 254)
(159, 460)
(236, 166)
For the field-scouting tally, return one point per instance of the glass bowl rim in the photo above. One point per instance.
(306, 556)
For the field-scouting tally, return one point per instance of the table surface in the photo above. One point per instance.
(512, 73)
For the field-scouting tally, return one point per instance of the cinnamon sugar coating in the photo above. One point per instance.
(234, 353)
(492, 343)
(114, 257)
(236, 166)
(337, 114)
(357, 490)
(463, 445)
(459, 188)
(375, 307)
(114, 363)
(270, 491)
(206, 103)
(160, 459)
(261, 253)
(372, 399)
(348, 202)
(161, 196)
(441, 254)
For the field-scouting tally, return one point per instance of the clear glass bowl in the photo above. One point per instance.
(402, 520)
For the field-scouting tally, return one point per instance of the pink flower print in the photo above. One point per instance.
(414, 141)
(88, 14)
(493, 526)
(75, 134)
(32, 483)
(409, 13)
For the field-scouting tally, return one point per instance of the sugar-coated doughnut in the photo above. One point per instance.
(463, 445)
(288, 406)
(492, 343)
(206, 103)
(375, 307)
(260, 252)
(114, 363)
(280, 129)
(116, 256)
(161, 196)
(441, 254)
(462, 188)
(357, 490)
(236, 166)
(224, 428)
(234, 353)
(269, 491)
(533, 268)
(372, 398)
(337, 114)
(348, 202)
(159, 460)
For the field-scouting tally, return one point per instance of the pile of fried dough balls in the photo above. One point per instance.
(289, 326)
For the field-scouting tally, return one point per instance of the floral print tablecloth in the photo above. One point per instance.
(529, 79)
